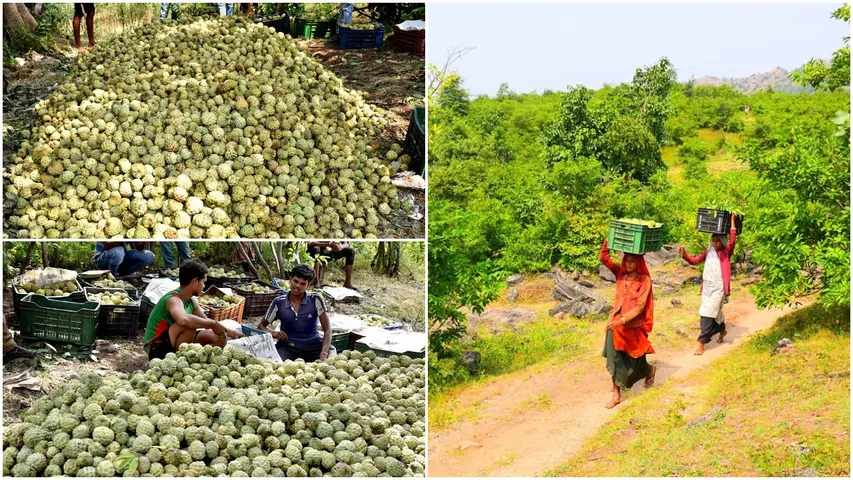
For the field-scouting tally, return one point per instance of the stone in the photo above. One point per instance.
(586, 283)
(783, 346)
(676, 302)
(515, 279)
(668, 291)
(466, 445)
(576, 275)
(662, 257)
(471, 359)
(752, 279)
(569, 290)
(605, 274)
(578, 309)
(680, 331)
(513, 295)
(694, 280)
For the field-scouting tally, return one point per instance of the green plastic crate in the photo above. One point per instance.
(58, 321)
(313, 28)
(632, 238)
(340, 341)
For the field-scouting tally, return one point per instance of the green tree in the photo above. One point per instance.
(453, 97)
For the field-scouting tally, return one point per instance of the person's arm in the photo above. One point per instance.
(634, 317)
(186, 320)
(730, 248)
(692, 260)
(608, 262)
(269, 317)
(327, 335)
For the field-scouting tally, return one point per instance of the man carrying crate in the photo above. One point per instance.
(178, 319)
(300, 314)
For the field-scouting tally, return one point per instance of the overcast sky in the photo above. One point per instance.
(539, 46)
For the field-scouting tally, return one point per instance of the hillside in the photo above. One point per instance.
(778, 78)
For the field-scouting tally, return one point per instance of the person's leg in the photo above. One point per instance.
(12, 350)
(164, 10)
(111, 259)
(183, 251)
(8, 342)
(707, 324)
(314, 252)
(90, 24)
(78, 14)
(135, 260)
(221, 8)
(349, 254)
(201, 337)
(229, 9)
(616, 399)
(168, 253)
(723, 332)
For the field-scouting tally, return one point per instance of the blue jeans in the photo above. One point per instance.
(225, 8)
(169, 253)
(345, 16)
(164, 9)
(121, 261)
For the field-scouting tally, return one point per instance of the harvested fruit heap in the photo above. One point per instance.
(111, 282)
(209, 411)
(257, 288)
(637, 221)
(217, 301)
(111, 298)
(208, 128)
(221, 272)
(52, 290)
(361, 25)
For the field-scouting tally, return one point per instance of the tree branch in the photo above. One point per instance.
(257, 247)
(246, 257)
(437, 77)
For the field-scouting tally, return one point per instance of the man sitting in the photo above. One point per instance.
(300, 313)
(178, 319)
(334, 250)
(119, 260)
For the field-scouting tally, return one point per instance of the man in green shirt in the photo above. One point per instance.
(177, 317)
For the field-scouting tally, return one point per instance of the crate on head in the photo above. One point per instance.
(409, 41)
(78, 296)
(709, 220)
(256, 303)
(352, 39)
(235, 312)
(116, 320)
(51, 320)
(415, 143)
(634, 238)
(313, 28)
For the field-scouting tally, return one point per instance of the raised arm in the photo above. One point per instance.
(604, 257)
(730, 248)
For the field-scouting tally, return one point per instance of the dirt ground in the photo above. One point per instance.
(388, 79)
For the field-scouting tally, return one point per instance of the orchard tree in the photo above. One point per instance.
(816, 73)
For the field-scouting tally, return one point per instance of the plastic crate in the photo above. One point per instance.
(282, 25)
(409, 41)
(256, 303)
(146, 306)
(219, 314)
(132, 292)
(713, 221)
(340, 341)
(631, 238)
(313, 28)
(58, 321)
(116, 320)
(351, 39)
(415, 143)
(77, 297)
(163, 274)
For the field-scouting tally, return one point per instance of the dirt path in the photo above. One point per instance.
(515, 436)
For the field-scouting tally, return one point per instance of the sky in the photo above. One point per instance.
(550, 46)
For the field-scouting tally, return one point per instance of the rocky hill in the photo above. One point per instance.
(776, 78)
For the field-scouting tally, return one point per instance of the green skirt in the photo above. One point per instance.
(623, 368)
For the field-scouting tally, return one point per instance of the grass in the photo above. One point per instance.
(776, 415)
(719, 159)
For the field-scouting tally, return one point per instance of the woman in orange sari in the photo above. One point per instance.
(629, 324)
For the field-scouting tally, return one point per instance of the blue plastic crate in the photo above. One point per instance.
(350, 39)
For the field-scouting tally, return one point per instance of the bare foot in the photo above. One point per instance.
(699, 349)
(613, 402)
(722, 335)
(81, 48)
(650, 378)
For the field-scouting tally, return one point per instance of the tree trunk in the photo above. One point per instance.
(387, 259)
(257, 247)
(28, 19)
(251, 265)
(11, 17)
(30, 247)
(276, 256)
(44, 254)
(280, 248)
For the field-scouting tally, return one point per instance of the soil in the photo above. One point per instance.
(512, 438)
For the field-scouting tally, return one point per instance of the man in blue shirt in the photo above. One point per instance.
(300, 313)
